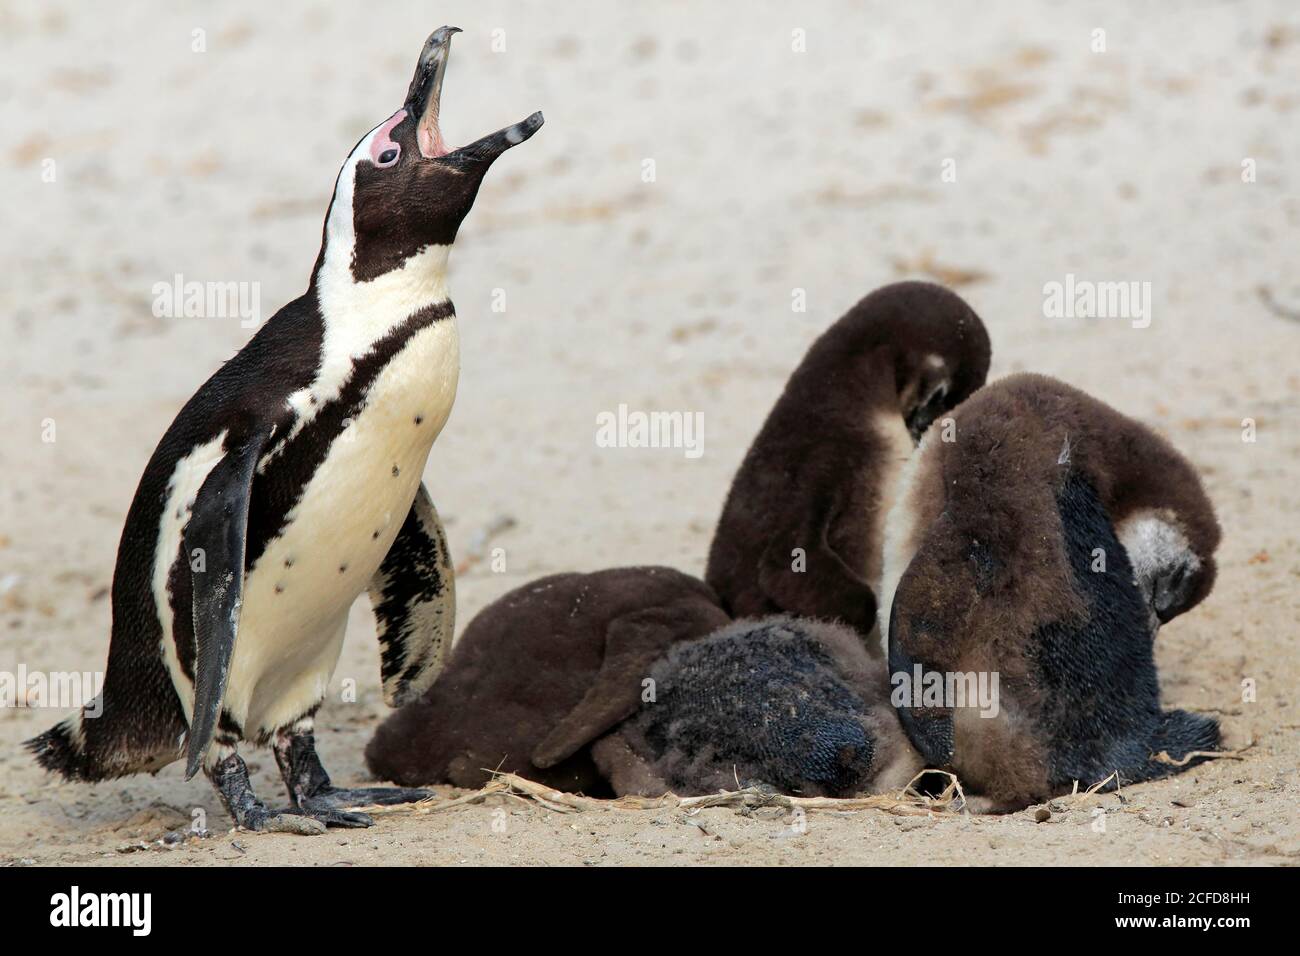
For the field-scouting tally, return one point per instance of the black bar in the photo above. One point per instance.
(336, 904)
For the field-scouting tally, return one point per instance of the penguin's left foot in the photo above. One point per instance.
(230, 777)
(313, 794)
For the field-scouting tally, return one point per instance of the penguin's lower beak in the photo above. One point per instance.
(485, 150)
(424, 97)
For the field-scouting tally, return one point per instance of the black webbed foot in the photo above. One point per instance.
(230, 777)
(313, 794)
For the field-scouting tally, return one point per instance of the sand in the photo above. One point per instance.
(774, 171)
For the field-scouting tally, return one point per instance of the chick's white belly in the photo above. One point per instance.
(297, 596)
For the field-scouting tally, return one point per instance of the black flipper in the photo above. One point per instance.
(930, 729)
(1181, 733)
(414, 597)
(633, 643)
(1102, 702)
(217, 528)
(828, 588)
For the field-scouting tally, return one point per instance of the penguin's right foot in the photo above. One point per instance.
(312, 792)
(230, 777)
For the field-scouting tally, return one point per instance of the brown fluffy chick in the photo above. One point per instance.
(1011, 551)
(539, 674)
(802, 525)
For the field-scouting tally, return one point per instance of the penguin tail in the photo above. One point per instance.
(62, 750)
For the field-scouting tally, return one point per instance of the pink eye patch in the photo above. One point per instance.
(383, 150)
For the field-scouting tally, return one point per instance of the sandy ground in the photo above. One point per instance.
(775, 170)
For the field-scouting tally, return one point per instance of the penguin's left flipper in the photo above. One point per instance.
(826, 588)
(414, 598)
(215, 540)
(633, 643)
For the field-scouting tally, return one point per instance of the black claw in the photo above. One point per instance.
(369, 796)
(340, 818)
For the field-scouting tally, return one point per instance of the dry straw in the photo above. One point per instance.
(907, 802)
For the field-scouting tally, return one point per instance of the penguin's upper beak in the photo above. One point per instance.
(424, 97)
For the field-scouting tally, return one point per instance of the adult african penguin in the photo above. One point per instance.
(802, 526)
(290, 483)
(1046, 543)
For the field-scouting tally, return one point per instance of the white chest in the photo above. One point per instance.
(297, 596)
(355, 503)
(900, 534)
(885, 479)
(296, 599)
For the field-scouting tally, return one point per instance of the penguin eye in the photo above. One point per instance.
(388, 157)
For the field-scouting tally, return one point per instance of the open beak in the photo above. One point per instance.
(424, 97)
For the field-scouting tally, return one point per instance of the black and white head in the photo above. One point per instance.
(402, 192)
